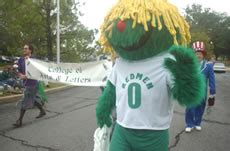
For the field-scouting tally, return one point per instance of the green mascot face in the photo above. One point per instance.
(136, 43)
(136, 31)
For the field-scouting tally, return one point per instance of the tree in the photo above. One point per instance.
(35, 22)
(215, 25)
(20, 24)
(75, 38)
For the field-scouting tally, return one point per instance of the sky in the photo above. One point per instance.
(95, 10)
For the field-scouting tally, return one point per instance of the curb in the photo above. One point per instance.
(14, 98)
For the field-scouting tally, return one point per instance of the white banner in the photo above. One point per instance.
(79, 74)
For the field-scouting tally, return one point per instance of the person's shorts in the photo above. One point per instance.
(124, 139)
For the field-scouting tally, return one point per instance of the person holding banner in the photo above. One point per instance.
(31, 95)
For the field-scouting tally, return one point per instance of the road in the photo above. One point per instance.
(70, 123)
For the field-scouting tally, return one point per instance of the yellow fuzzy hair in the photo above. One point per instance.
(143, 11)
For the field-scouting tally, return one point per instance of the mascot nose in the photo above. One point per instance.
(121, 26)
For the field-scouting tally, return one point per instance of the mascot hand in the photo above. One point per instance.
(105, 105)
(103, 119)
(188, 83)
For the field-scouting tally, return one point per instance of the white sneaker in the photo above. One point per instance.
(198, 128)
(188, 129)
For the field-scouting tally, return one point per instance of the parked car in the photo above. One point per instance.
(219, 67)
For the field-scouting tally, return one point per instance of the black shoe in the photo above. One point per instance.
(17, 124)
(41, 114)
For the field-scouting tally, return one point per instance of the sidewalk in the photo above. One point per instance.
(16, 97)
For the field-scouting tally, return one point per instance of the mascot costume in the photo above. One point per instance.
(153, 68)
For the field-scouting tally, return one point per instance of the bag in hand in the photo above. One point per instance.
(102, 138)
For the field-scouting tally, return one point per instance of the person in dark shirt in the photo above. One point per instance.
(31, 97)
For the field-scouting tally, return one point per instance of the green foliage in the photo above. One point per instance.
(99, 49)
(35, 22)
(20, 23)
(213, 24)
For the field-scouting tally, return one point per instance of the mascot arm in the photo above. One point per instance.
(188, 86)
(105, 105)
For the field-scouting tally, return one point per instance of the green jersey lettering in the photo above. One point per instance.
(134, 95)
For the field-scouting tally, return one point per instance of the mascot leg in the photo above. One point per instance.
(125, 139)
(119, 141)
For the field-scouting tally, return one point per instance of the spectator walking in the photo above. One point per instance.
(193, 115)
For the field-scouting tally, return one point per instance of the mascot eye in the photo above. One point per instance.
(121, 25)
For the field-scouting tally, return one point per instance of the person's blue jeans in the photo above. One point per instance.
(193, 115)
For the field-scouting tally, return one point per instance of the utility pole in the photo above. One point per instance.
(58, 31)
